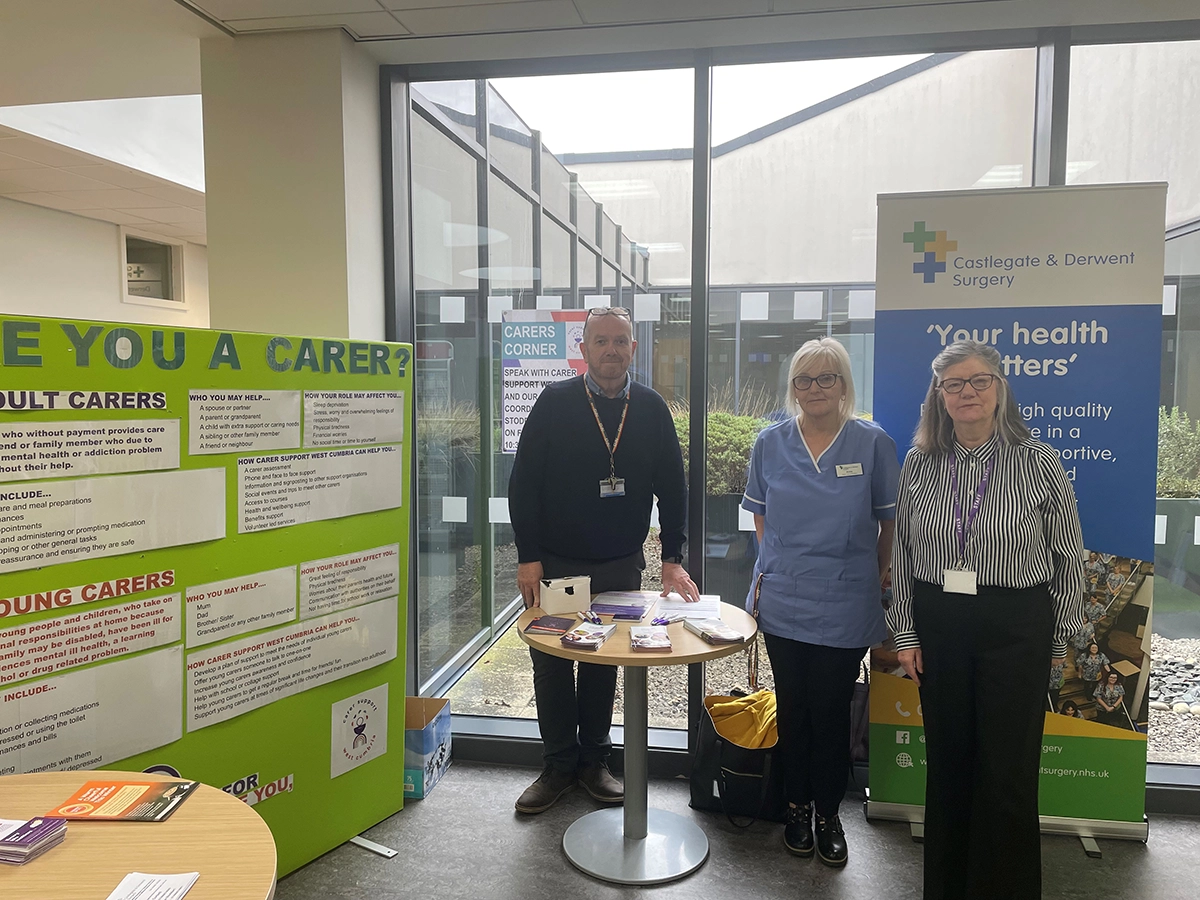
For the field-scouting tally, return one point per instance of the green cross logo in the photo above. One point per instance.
(919, 237)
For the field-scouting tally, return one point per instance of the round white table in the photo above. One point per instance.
(635, 844)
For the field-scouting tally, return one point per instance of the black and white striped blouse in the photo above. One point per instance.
(1026, 532)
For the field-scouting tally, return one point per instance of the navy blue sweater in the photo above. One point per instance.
(554, 492)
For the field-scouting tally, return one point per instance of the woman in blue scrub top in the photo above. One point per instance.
(822, 488)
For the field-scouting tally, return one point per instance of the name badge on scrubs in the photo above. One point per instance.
(614, 487)
(849, 469)
(959, 581)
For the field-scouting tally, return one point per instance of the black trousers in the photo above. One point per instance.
(813, 688)
(983, 695)
(575, 721)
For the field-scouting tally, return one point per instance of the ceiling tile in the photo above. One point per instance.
(531, 15)
(372, 24)
(15, 162)
(175, 231)
(53, 201)
(113, 198)
(265, 9)
(44, 152)
(175, 215)
(427, 4)
(117, 217)
(44, 179)
(603, 12)
(176, 196)
(117, 176)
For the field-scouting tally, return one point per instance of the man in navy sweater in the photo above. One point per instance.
(594, 453)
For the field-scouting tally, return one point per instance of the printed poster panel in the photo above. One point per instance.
(537, 348)
(1066, 283)
(358, 730)
(131, 548)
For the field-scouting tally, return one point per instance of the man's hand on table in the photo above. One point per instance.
(675, 578)
(529, 577)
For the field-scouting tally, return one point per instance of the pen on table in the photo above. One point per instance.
(588, 616)
(667, 620)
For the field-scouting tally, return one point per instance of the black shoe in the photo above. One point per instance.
(600, 783)
(543, 793)
(797, 830)
(831, 841)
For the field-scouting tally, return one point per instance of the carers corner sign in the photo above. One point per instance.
(1066, 284)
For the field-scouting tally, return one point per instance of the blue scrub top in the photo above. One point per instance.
(818, 555)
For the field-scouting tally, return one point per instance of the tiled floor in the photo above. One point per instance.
(466, 841)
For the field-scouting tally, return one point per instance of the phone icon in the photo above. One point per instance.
(900, 709)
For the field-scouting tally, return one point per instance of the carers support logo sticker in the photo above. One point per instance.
(358, 730)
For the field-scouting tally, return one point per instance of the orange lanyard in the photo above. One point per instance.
(611, 447)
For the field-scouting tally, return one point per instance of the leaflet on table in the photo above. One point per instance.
(140, 886)
(649, 637)
(126, 801)
(624, 604)
(47, 522)
(31, 450)
(21, 842)
(93, 717)
(709, 606)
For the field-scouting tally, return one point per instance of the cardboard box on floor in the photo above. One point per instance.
(426, 744)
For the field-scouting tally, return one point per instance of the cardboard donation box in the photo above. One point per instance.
(426, 744)
(565, 596)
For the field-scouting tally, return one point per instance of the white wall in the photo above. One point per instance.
(293, 184)
(57, 264)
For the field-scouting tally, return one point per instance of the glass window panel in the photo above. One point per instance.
(585, 215)
(510, 239)
(625, 255)
(511, 145)
(586, 269)
(455, 100)
(556, 186)
(556, 258)
(794, 210)
(1135, 116)
(450, 615)
(563, 108)
(610, 239)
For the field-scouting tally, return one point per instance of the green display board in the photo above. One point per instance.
(204, 564)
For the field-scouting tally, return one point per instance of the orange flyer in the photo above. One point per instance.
(125, 801)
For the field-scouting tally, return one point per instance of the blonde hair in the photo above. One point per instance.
(935, 430)
(808, 358)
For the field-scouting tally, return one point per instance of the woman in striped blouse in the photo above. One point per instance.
(987, 584)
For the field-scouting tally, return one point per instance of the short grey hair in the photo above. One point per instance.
(935, 430)
(816, 354)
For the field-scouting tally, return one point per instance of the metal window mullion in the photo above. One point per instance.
(1052, 88)
(698, 387)
(400, 299)
(485, 476)
(438, 120)
(599, 246)
(535, 179)
(575, 238)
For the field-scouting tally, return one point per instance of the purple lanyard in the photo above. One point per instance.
(961, 530)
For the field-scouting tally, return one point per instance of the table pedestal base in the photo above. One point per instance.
(673, 847)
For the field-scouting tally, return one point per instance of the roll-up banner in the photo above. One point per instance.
(204, 566)
(1067, 284)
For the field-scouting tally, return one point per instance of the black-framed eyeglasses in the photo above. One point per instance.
(979, 382)
(824, 380)
(608, 311)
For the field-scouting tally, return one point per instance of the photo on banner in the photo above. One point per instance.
(1066, 284)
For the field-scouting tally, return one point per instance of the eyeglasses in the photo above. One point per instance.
(608, 311)
(978, 383)
(824, 380)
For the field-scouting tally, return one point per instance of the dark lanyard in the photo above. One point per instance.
(611, 447)
(963, 530)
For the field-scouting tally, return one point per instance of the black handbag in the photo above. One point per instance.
(742, 782)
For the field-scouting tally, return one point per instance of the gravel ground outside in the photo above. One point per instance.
(1174, 737)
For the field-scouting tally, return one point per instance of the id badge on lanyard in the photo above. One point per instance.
(962, 579)
(612, 486)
